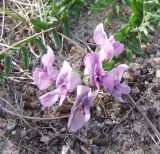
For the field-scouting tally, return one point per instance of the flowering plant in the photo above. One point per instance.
(67, 80)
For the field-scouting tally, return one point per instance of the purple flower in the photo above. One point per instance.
(93, 67)
(112, 82)
(80, 111)
(118, 47)
(66, 82)
(46, 76)
(108, 47)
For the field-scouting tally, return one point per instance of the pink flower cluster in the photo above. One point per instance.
(67, 80)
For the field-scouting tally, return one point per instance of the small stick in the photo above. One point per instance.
(31, 118)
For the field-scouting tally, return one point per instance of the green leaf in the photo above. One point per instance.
(129, 55)
(41, 46)
(51, 20)
(134, 19)
(39, 24)
(119, 36)
(107, 66)
(122, 33)
(54, 9)
(7, 65)
(135, 46)
(125, 30)
(144, 37)
(66, 28)
(56, 39)
(77, 14)
(28, 39)
(127, 2)
(2, 55)
(25, 57)
(134, 6)
(137, 6)
(1, 75)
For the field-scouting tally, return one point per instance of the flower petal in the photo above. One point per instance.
(125, 89)
(42, 79)
(118, 48)
(99, 35)
(120, 70)
(107, 51)
(36, 76)
(93, 66)
(63, 94)
(80, 112)
(53, 73)
(82, 92)
(73, 81)
(111, 39)
(77, 120)
(66, 69)
(108, 81)
(118, 96)
(50, 98)
(48, 58)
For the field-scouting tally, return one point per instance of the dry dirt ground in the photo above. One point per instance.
(132, 127)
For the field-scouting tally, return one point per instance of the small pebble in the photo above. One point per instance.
(63, 129)
(44, 139)
(98, 109)
(126, 145)
(158, 54)
(158, 73)
(146, 82)
(152, 55)
(137, 73)
(98, 124)
(139, 60)
(94, 149)
(144, 71)
(13, 132)
(10, 127)
(157, 60)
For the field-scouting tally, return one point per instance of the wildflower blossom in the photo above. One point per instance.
(80, 111)
(66, 82)
(112, 82)
(46, 76)
(108, 47)
(93, 67)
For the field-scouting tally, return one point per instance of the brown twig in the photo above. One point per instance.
(85, 150)
(31, 118)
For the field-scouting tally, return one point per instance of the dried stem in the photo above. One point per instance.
(31, 118)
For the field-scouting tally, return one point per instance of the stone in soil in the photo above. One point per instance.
(158, 73)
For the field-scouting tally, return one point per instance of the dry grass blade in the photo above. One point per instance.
(126, 115)
(145, 117)
(67, 38)
(151, 137)
(22, 3)
(25, 40)
(2, 31)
